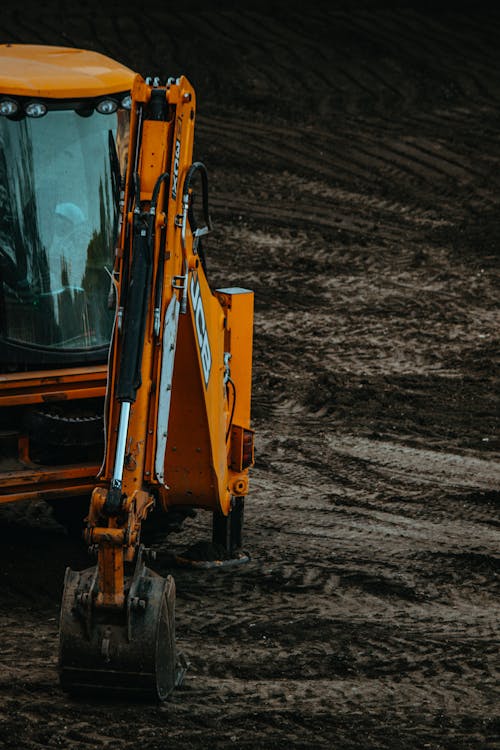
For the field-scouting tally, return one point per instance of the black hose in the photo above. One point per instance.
(195, 167)
(232, 408)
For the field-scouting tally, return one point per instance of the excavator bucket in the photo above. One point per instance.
(127, 653)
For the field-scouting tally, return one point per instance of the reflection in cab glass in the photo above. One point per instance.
(58, 224)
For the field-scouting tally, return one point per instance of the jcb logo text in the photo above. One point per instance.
(201, 329)
(175, 176)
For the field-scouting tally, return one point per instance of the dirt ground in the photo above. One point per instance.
(354, 162)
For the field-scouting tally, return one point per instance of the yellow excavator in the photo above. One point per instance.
(125, 378)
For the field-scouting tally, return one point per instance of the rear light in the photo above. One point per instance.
(242, 448)
(247, 453)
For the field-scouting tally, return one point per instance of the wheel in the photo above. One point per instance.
(62, 433)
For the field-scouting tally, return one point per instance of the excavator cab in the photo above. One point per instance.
(64, 131)
(59, 173)
(61, 162)
(125, 378)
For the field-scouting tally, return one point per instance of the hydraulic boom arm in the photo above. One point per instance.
(177, 407)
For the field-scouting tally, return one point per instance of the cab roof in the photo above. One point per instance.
(60, 72)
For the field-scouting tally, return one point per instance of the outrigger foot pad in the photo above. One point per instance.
(126, 652)
(210, 555)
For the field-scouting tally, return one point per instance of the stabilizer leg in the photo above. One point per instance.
(224, 550)
(227, 530)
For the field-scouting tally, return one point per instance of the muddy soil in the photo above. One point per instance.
(354, 161)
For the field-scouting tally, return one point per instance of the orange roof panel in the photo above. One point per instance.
(60, 72)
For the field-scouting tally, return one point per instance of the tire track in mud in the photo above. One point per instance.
(350, 650)
(324, 154)
(423, 465)
(382, 171)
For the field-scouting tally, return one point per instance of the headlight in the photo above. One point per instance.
(126, 102)
(8, 107)
(35, 109)
(107, 106)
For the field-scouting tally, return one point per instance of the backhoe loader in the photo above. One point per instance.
(125, 378)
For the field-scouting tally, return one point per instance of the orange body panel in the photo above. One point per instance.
(47, 483)
(195, 462)
(155, 137)
(52, 385)
(238, 305)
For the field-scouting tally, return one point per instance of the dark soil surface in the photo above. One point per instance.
(354, 161)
